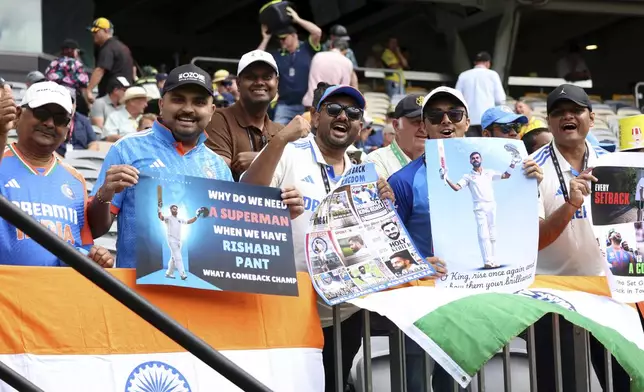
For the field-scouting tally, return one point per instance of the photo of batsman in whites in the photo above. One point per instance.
(173, 230)
(480, 182)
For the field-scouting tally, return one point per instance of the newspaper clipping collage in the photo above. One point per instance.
(356, 243)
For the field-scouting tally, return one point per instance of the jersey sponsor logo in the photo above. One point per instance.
(12, 184)
(59, 219)
(67, 191)
(157, 164)
(310, 204)
(308, 179)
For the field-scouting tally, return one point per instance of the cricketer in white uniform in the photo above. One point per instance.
(173, 224)
(479, 181)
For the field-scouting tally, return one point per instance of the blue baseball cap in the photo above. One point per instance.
(342, 90)
(501, 115)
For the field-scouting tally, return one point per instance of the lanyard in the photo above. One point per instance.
(562, 181)
(398, 153)
(325, 178)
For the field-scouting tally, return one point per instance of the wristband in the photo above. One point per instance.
(576, 208)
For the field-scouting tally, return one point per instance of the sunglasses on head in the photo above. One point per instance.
(42, 114)
(334, 109)
(436, 116)
(506, 128)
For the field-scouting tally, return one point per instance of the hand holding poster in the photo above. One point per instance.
(214, 235)
(617, 203)
(356, 244)
(484, 213)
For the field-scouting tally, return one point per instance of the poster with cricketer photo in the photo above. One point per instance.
(617, 203)
(484, 213)
(356, 244)
(213, 235)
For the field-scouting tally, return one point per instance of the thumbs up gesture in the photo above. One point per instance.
(8, 110)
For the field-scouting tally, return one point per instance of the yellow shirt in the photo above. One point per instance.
(533, 124)
(389, 58)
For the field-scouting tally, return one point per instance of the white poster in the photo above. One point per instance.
(484, 213)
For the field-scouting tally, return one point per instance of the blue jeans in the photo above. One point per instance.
(284, 113)
(393, 88)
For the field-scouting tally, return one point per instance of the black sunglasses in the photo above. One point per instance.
(506, 128)
(42, 114)
(353, 113)
(436, 116)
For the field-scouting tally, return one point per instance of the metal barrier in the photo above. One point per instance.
(127, 297)
(584, 379)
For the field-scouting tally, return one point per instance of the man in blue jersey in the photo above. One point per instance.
(444, 115)
(34, 178)
(618, 258)
(173, 146)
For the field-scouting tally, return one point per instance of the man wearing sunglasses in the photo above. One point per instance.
(315, 165)
(34, 177)
(501, 121)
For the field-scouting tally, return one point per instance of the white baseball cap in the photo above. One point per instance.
(255, 56)
(44, 93)
(448, 91)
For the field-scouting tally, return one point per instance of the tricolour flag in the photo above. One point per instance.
(67, 335)
(461, 330)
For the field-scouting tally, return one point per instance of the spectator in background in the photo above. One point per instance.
(161, 78)
(28, 178)
(126, 119)
(34, 77)
(108, 103)
(332, 67)
(388, 135)
(536, 138)
(482, 90)
(409, 138)
(221, 90)
(572, 66)
(393, 58)
(81, 135)
(237, 133)
(153, 104)
(524, 108)
(339, 31)
(502, 122)
(67, 70)
(146, 121)
(294, 62)
(114, 59)
(231, 87)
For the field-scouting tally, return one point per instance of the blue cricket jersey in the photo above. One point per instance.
(412, 203)
(155, 149)
(56, 196)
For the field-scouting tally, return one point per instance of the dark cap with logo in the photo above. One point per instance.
(188, 74)
(568, 92)
(410, 106)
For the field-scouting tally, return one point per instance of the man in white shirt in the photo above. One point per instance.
(482, 90)
(173, 224)
(567, 242)
(572, 66)
(315, 165)
(409, 143)
(126, 119)
(479, 181)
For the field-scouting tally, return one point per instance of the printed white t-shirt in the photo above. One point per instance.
(174, 227)
(481, 185)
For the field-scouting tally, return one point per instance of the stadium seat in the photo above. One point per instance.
(84, 164)
(628, 111)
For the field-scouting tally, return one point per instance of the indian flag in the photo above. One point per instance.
(64, 334)
(461, 330)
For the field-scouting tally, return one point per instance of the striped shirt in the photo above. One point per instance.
(56, 196)
(154, 150)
